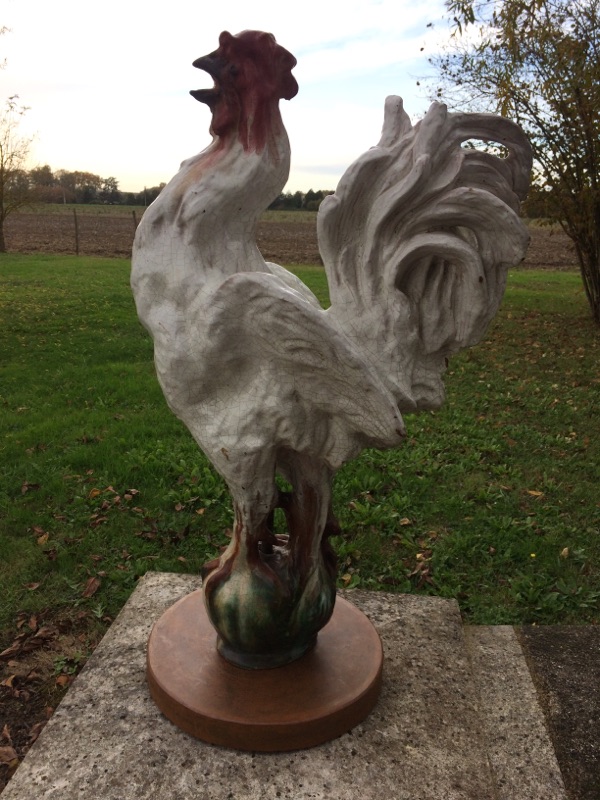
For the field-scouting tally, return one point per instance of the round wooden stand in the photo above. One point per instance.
(310, 701)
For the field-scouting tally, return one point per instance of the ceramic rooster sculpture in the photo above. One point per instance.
(416, 243)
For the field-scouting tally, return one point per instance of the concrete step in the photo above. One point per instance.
(458, 719)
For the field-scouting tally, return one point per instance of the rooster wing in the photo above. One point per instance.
(273, 374)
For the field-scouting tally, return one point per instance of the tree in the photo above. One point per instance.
(110, 191)
(14, 150)
(87, 186)
(42, 176)
(66, 181)
(538, 62)
(44, 185)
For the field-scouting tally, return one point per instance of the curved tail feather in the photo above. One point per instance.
(417, 241)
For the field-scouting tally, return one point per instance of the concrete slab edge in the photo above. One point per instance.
(521, 754)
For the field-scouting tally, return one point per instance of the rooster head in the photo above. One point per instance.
(251, 73)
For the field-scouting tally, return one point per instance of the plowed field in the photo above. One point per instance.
(285, 242)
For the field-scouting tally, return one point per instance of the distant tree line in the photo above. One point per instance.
(62, 186)
(300, 201)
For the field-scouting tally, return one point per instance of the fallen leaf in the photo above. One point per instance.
(36, 730)
(43, 539)
(564, 553)
(91, 586)
(27, 487)
(63, 680)
(6, 735)
(96, 520)
(14, 649)
(200, 511)
(179, 507)
(8, 681)
(32, 586)
(346, 579)
(89, 440)
(26, 644)
(182, 559)
(47, 632)
(94, 493)
(8, 755)
(535, 493)
(405, 521)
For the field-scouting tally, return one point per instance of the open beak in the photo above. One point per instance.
(214, 65)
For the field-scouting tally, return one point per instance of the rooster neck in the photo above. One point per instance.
(202, 227)
(253, 120)
(221, 193)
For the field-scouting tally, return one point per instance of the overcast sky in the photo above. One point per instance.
(107, 83)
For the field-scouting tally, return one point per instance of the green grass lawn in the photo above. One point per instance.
(494, 500)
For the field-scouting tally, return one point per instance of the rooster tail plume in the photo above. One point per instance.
(417, 241)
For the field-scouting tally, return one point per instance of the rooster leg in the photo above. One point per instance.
(268, 597)
(254, 502)
(248, 596)
(309, 517)
(307, 508)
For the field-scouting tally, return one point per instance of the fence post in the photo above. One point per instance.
(135, 224)
(76, 232)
